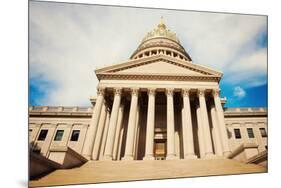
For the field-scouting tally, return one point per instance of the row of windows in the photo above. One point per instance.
(59, 134)
(165, 52)
(250, 132)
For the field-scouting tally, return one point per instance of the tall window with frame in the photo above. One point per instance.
(250, 133)
(263, 132)
(237, 133)
(75, 135)
(59, 135)
(43, 134)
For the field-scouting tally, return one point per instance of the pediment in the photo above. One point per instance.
(159, 66)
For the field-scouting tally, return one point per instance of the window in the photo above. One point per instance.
(75, 135)
(250, 133)
(43, 134)
(237, 133)
(59, 135)
(263, 132)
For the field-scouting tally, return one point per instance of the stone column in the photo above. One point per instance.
(131, 126)
(171, 154)
(118, 131)
(216, 135)
(97, 143)
(205, 124)
(222, 128)
(187, 131)
(135, 149)
(91, 132)
(104, 135)
(149, 144)
(200, 131)
(108, 153)
(120, 143)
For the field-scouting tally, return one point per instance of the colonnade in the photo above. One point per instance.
(105, 130)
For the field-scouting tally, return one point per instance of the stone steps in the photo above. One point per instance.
(112, 171)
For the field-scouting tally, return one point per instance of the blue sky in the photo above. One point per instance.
(68, 42)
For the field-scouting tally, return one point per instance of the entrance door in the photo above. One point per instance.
(160, 149)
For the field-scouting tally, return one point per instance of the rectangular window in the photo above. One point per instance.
(237, 133)
(59, 135)
(75, 135)
(250, 133)
(43, 134)
(263, 132)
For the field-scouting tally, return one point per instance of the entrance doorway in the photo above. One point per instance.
(160, 149)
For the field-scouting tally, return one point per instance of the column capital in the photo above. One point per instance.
(201, 92)
(151, 91)
(169, 91)
(117, 91)
(101, 90)
(185, 92)
(216, 92)
(134, 91)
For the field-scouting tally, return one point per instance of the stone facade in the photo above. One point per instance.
(74, 118)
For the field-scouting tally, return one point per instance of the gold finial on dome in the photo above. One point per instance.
(161, 31)
(161, 24)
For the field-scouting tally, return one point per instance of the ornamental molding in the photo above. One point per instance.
(157, 77)
(100, 90)
(185, 92)
(201, 92)
(169, 91)
(151, 91)
(134, 91)
(117, 91)
(216, 92)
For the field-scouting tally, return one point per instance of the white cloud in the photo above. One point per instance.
(251, 69)
(68, 41)
(239, 92)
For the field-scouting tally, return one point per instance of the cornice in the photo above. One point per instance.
(112, 70)
(150, 59)
(137, 76)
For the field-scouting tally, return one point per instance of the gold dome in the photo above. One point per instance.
(160, 40)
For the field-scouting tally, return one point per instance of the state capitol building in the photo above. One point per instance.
(157, 115)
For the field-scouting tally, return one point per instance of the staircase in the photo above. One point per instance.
(112, 171)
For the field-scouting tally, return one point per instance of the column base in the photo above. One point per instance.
(149, 157)
(128, 158)
(172, 157)
(107, 158)
(210, 156)
(226, 153)
(190, 156)
(87, 157)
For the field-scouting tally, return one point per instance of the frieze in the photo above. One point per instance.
(157, 77)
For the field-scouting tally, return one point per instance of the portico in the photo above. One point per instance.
(141, 123)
